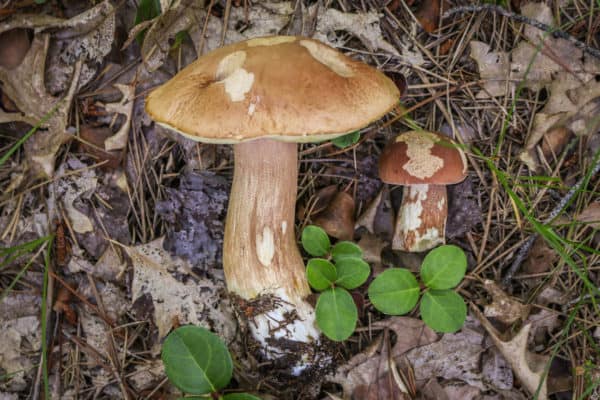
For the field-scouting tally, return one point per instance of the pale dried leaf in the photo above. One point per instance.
(364, 26)
(503, 307)
(146, 375)
(124, 106)
(70, 188)
(197, 301)
(494, 69)
(20, 336)
(527, 366)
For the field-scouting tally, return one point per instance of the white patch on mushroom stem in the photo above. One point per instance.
(421, 163)
(270, 41)
(410, 218)
(251, 108)
(429, 239)
(265, 247)
(441, 204)
(328, 57)
(283, 227)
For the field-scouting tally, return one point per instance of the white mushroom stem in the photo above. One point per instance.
(421, 220)
(262, 263)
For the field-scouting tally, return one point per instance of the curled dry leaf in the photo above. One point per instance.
(93, 31)
(429, 12)
(34, 103)
(125, 106)
(379, 216)
(92, 143)
(338, 218)
(541, 258)
(195, 301)
(14, 45)
(504, 308)
(527, 366)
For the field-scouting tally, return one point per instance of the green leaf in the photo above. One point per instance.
(443, 310)
(240, 396)
(320, 273)
(345, 249)
(336, 314)
(394, 292)
(346, 140)
(196, 360)
(352, 272)
(315, 241)
(147, 9)
(444, 267)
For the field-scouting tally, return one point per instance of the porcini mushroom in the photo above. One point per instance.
(263, 95)
(424, 163)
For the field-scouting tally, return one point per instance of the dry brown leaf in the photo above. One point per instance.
(429, 12)
(92, 143)
(590, 215)
(197, 301)
(504, 308)
(372, 364)
(20, 336)
(527, 366)
(14, 45)
(34, 103)
(338, 218)
(541, 258)
(124, 106)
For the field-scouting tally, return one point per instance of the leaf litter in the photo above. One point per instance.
(129, 276)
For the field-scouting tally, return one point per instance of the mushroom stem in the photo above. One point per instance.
(261, 260)
(421, 220)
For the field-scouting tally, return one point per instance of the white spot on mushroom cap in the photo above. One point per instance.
(328, 57)
(236, 79)
(270, 41)
(421, 163)
(265, 246)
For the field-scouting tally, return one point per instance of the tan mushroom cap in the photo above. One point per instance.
(421, 157)
(284, 87)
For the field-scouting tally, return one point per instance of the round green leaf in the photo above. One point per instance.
(196, 360)
(336, 314)
(351, 272)
(444, 267)
(345, 249)
(394, 292)
(346, 140)
(443, 310)
(320, 273)
(315, 241)
(240, 396)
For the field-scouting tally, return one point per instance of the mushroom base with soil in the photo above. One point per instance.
(262, 263)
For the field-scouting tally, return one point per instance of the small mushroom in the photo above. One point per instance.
(263, 95)
(423, 162)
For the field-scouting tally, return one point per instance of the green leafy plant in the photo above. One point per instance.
(346, 140)
(198, 362)
(339, 268)
(396, 291)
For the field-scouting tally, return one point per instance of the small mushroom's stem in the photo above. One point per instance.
(421, 220)
(261, 260)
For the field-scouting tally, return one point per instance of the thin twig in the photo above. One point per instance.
(520, 257)
(556, 33)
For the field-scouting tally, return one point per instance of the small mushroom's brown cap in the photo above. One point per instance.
(284, 87)
(420, 157)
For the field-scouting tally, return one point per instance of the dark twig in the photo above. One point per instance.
(524, 250)
(525, 20)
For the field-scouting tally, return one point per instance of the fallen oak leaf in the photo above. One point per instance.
(503, 307)
(529, 367)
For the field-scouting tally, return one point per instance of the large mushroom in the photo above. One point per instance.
(424, 163)
(264, 95)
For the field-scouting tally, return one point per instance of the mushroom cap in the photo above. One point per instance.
(282, 87)
(421, 157)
